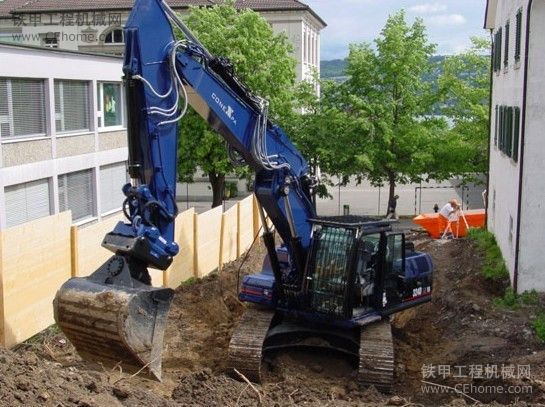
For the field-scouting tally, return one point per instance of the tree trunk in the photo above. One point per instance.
(391, 193)
(218, 187)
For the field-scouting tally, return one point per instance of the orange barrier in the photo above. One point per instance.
(435, 224)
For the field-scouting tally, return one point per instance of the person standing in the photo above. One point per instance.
(448, 212)
(450, 208)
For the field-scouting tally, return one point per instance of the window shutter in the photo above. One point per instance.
(496, 127)
(22, 109)
(506, 53)
(112, 179)
(518, 34)
(516, 135)
(28, 201)
(509, 133)
(500, 141)
(76, 194)
(72, 106)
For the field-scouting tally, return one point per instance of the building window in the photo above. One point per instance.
(508, 130)
(110, 105)
(22, 107)
(50, 40)
(26, 202)
(72, 106)
(304, 45)
(518, 34)
(112, 179)
(506, 52)
(76, 194)
(114, 37)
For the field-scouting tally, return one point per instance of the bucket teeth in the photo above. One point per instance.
(115, 325)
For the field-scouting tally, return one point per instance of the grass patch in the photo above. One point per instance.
(509, 300)
(513, 300)
(530, 297)
(190, 281)
(493, 266)
(539, 327)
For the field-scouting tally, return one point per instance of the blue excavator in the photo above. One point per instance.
(331, 282)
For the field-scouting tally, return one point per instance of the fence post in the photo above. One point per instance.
(222, 230)
(74, 249)
(195, 245)
(239, 245)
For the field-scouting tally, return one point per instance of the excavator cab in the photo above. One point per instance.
(359, 265)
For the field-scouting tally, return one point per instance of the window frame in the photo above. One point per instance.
(107, 212)
(47, 181)
(10, 120)
(111, 33)
(77, 132)
(88, 218)
(100, 107)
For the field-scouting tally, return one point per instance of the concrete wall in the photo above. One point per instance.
(504, 172)
(531, 273)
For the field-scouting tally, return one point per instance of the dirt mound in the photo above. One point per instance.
(28, 379)
(463, 329)
(460, 327)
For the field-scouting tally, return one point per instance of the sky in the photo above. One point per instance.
(449, 23)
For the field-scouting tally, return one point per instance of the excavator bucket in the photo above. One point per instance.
(113, 319)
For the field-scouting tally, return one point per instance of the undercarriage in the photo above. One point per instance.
(262, 331)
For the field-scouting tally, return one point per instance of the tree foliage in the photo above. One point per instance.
(396, 139)
(465, 88)
(261, 59)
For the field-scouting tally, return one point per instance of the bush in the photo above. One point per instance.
(493, 266)
(539, 327)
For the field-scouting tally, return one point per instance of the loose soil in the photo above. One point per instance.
(460, 327)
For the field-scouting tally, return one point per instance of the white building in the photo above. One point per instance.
(96, 26)
(516, 190)
(62, 134)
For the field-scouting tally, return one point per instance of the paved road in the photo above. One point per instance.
(364, 199)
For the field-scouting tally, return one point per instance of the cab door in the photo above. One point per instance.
(402, 289)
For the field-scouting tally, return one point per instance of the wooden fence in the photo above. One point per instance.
(36, 258)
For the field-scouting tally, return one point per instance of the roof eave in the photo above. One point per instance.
(490, 14)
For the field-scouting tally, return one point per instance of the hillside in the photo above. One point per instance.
(335, 69)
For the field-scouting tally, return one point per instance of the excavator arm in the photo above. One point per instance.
(114, 315)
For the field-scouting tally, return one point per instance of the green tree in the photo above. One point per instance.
(261, 59)
(324, 131)
(465, 87)
(396, 139)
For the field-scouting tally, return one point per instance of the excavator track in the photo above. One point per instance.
(376, 365)
(246, 346)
